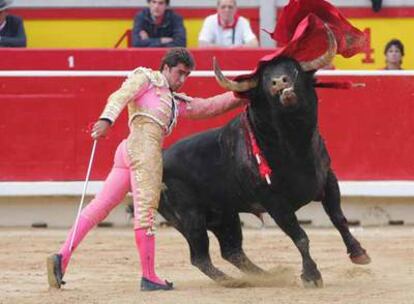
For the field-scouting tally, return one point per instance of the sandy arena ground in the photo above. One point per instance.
(105, 268)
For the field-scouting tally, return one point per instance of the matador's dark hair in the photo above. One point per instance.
(176, 56)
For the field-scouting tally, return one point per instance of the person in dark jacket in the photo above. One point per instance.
(12, 32)
(158, 26)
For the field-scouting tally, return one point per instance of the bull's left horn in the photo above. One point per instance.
(324, 59)
(232, 85)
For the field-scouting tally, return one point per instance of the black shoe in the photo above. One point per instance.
(54, 271)
(147, 285)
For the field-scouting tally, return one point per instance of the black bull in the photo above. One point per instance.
(212, 176)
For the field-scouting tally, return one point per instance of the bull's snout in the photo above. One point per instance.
(278, 84)
(283, 88)
(288, 97)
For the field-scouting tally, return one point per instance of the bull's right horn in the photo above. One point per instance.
(325, 58)
(232, 85)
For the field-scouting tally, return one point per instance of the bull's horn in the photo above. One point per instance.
(324, 59)
(232, 85)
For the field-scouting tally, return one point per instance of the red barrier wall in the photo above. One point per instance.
(44, 121)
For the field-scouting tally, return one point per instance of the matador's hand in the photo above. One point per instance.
(100, 128)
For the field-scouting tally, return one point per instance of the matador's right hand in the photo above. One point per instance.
(100, 128)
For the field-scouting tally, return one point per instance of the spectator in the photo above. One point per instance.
(394, 52)
(11, 28)
(227, 28)
(158, 26)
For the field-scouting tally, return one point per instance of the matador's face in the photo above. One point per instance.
(176, 76)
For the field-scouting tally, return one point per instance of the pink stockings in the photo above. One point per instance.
(146, 246)
(116, 186)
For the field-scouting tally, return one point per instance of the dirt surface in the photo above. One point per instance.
(105, 268)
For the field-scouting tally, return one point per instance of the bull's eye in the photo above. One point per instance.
(274, 82)
(284, 79)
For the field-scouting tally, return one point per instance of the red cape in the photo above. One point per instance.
(301, 33)
(350, 40)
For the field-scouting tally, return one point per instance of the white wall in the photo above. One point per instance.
(123, 3)
(61, 210)
(186, 3)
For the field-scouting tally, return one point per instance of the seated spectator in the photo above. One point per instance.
(11, 28)
(226, 28)
(394, 52)
(158, 26)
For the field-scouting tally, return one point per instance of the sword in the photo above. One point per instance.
(85, 185)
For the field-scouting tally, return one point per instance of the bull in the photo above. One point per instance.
(213, 176)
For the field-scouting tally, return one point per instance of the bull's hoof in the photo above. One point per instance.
(235, 283)
(362, 259)
(318, 283)
(312, 279)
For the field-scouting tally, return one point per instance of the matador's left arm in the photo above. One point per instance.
(199, 108)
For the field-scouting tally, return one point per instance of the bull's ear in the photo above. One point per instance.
(311, 74)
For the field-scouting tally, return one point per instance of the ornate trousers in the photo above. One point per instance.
(137, 168)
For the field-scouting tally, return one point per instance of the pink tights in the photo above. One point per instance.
(116, 186)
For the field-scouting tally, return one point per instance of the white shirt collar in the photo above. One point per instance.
(2, 25)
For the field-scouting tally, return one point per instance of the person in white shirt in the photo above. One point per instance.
(227, 28)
